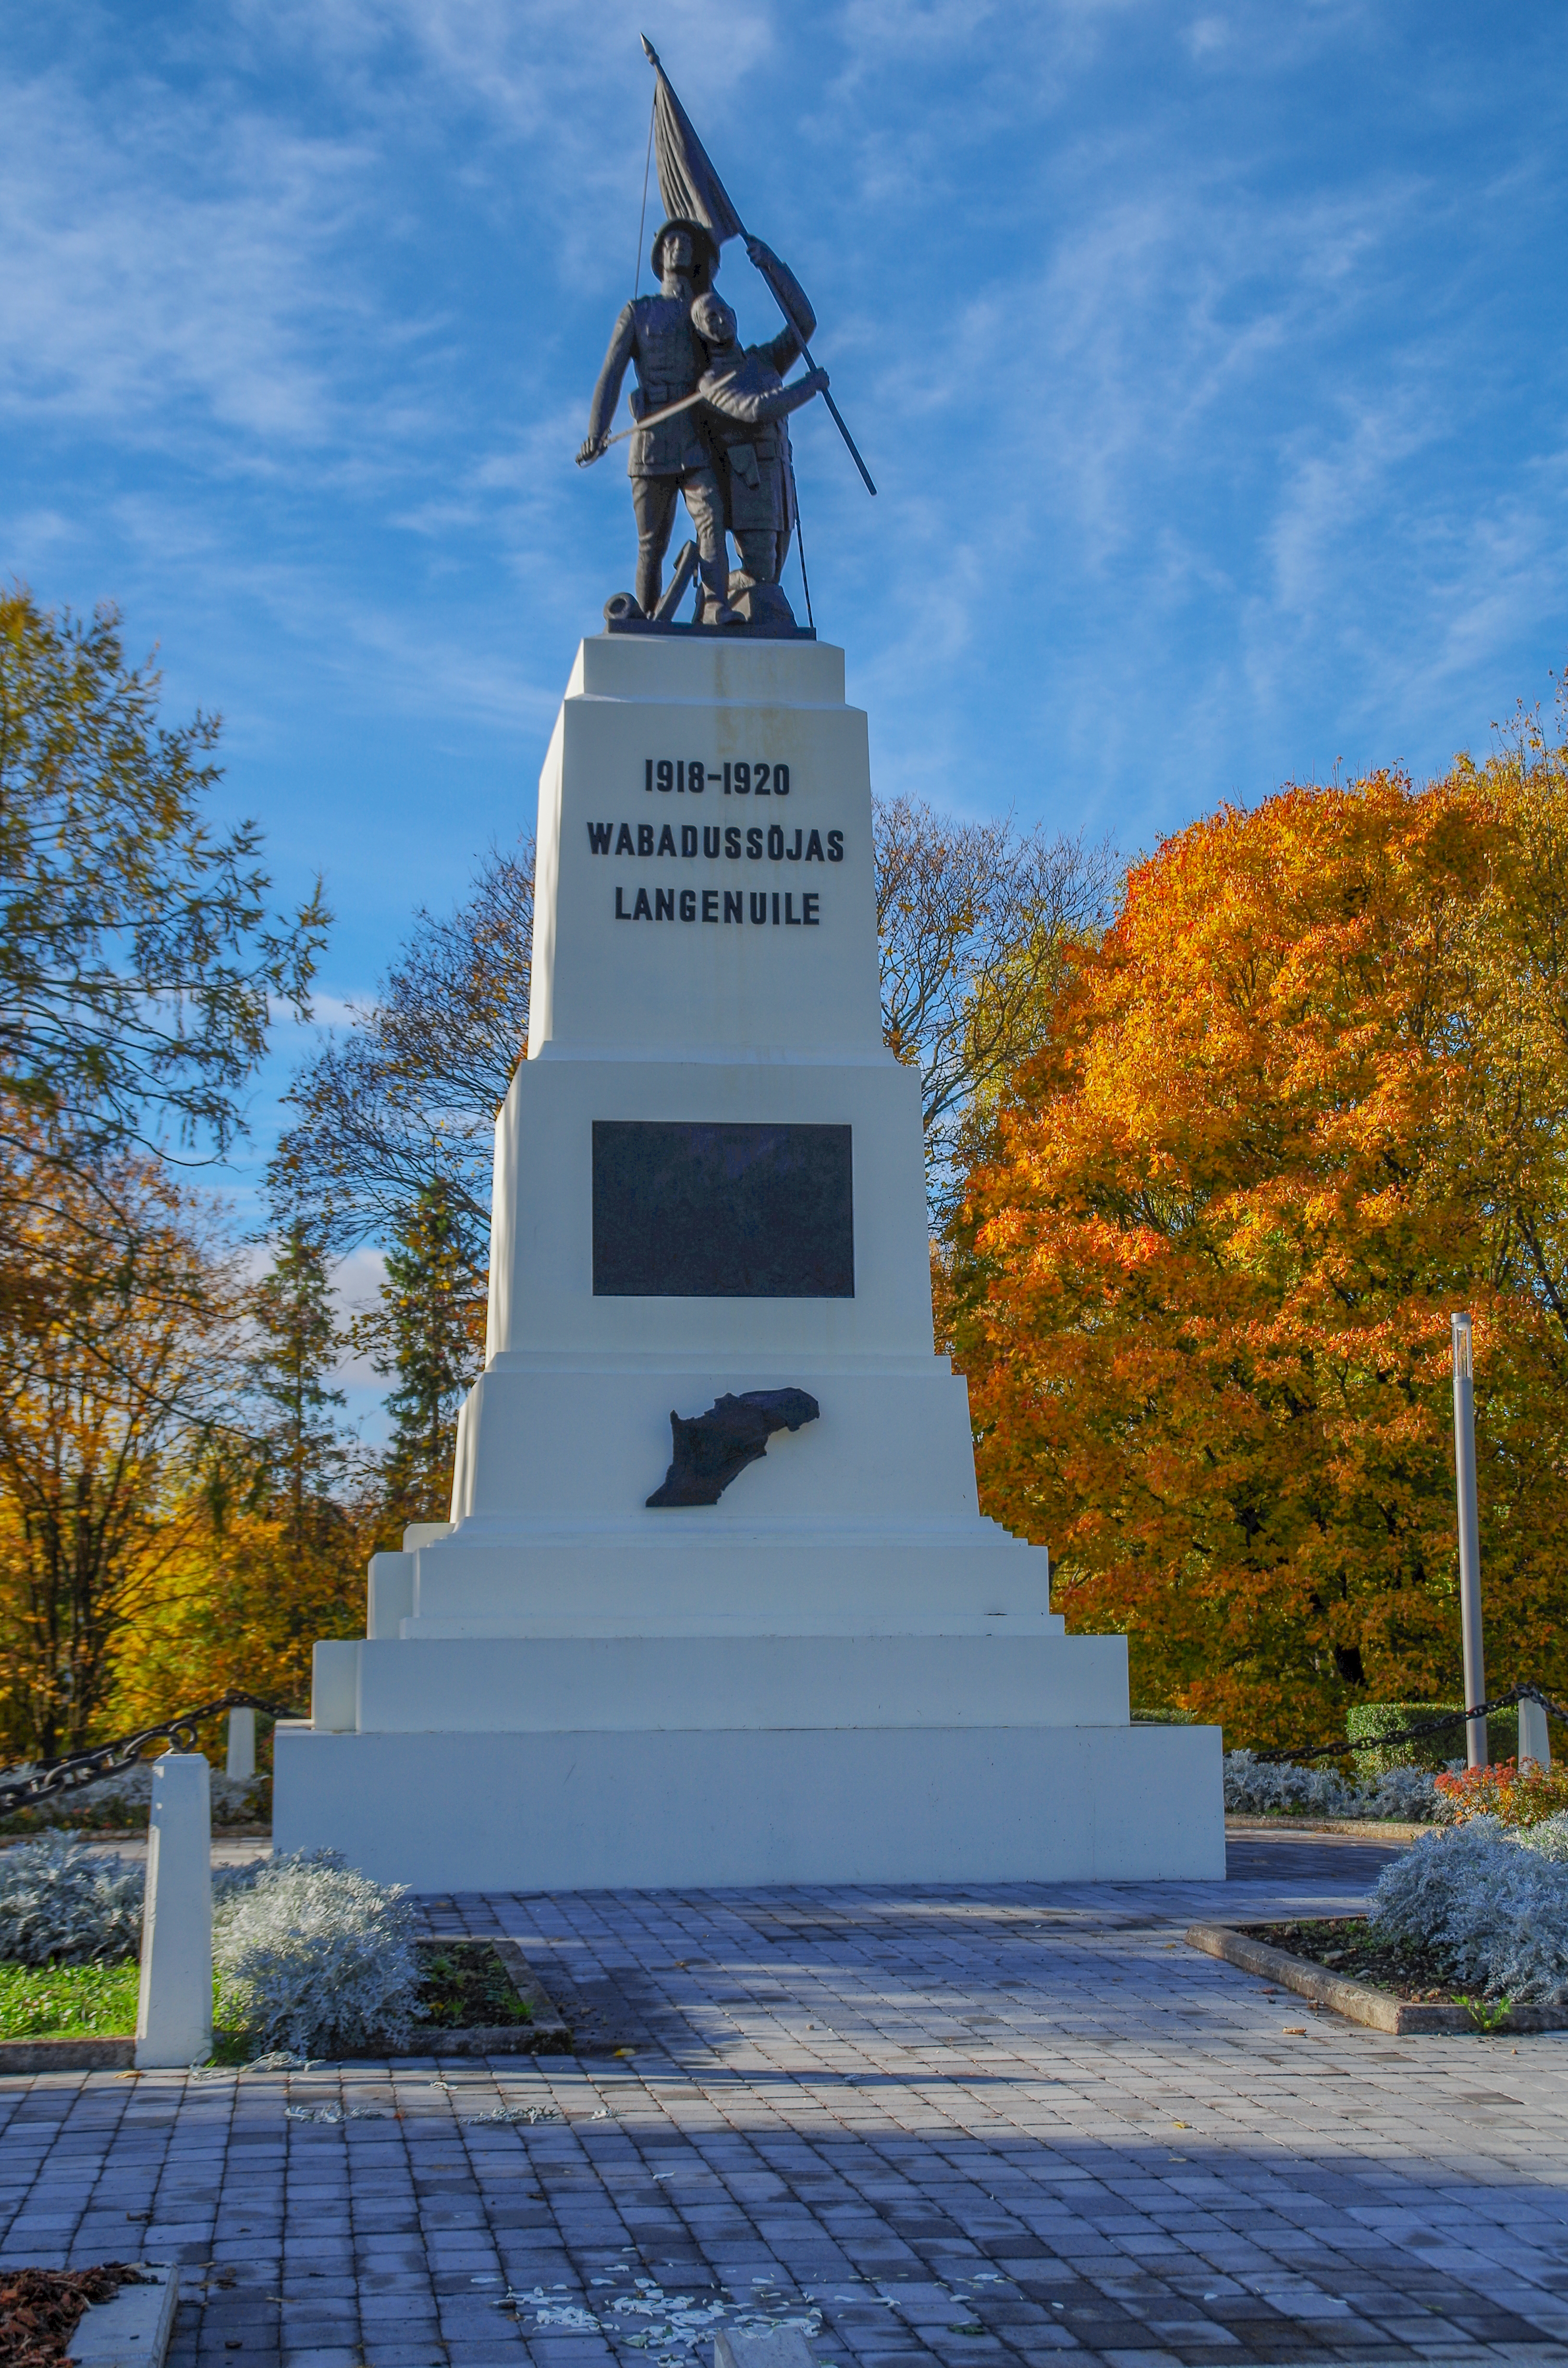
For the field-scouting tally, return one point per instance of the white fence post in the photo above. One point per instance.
(1535, 1740)
(173, 2010)
(242, 1746)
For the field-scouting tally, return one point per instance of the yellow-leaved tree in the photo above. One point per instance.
(139, 967)
(119, 1367)
(274, 1533)
(1307, 1097)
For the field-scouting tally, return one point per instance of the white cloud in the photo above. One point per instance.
(161, 267)
(356, 1285)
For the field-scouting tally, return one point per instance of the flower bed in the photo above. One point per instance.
(1356, 1948)
(465, 1987)
(1514, 1796)
(1474, 1917)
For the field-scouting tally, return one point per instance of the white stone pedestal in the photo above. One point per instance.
(241, 1765)
(173, 2011)
(840, 1671)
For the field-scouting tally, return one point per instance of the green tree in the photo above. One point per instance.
(427, 1336)
(297, 1343)
(137, 962)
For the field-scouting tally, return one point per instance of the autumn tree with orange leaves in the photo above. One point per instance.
(1308, 1096)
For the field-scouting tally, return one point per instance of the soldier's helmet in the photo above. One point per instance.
(704, 252)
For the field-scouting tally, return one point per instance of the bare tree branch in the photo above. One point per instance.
(977, 922)
(409, 1095)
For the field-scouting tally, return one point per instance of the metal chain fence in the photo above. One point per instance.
(1297, 1753)
(83, 1767)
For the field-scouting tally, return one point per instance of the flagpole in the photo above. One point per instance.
(643, 217)
(806, 355)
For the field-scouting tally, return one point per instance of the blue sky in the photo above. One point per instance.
(1210, 362)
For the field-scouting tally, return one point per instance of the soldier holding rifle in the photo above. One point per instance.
(655, 335)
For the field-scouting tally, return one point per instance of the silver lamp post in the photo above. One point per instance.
(1469, 1541)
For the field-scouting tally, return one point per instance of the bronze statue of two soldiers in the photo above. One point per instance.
(716, 435)
(711, 414)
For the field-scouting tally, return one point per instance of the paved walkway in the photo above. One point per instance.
(1003, 2123)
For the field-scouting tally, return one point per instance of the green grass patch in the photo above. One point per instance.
(68, 2001)
(232, 2047)
(87, 2002)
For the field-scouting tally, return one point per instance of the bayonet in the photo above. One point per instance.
(654, 418)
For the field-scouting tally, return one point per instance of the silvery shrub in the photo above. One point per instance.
(1409, 1793)
(1492, 1905)
(314, 1957)
(1259, 1790)
(234, 1798)
(1550, 1838)
(64, 1903)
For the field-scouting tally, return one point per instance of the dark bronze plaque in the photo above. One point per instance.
(697, 1211)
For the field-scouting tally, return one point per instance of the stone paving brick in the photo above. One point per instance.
(1005, 2124)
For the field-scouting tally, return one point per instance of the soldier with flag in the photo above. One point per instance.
(678, 400)
(692, 190)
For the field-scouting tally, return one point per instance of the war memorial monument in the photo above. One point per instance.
(716, 1603)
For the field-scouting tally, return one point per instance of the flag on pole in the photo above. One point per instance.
(689, 186)
(692, 191)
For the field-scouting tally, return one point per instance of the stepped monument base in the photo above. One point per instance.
(812, 1660)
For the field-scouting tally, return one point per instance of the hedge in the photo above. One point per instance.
(1375, 1729)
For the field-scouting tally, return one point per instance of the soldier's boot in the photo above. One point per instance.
(716, 609)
